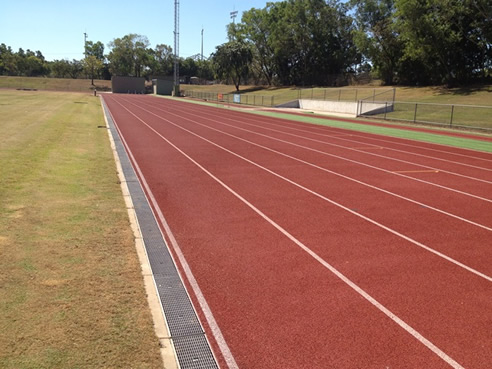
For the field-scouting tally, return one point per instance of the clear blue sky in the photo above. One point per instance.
(56, 27)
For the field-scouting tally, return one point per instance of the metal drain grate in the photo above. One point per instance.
(190, 343)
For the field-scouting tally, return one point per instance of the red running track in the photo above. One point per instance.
(316, 247)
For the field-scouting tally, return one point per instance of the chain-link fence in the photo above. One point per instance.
(448, 115)
(273, 99)
(246, 99)
(371, 102)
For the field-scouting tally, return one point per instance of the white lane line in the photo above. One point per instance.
(217, 333)
(325, 128)
(385, 147)
(320, 260)
(360, 151)
(337, 156)
(337, 174)
(396, 233)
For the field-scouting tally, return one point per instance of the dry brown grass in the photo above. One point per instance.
(71, 290)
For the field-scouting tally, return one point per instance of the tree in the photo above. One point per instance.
(231, 61)
(129, 55)
(300, 41)
(93, 62)
(92, 66)
(377, 38)
(256, 27)
(95, 49)
(60, 68)
(162, 60)
(75, 68)
(443, 40)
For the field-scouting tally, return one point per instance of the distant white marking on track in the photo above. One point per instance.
(357, 149)
(335, 156)
(328, 266)
(337, 174)
(396, 233)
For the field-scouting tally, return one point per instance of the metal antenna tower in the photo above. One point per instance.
(176, 47)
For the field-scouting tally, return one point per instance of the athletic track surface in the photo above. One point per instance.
(306, 246)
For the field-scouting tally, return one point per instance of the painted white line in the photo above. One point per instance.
(396, 233)
(337, 174)
(320, 260)
(337, 156)
(217, 333)
(357, 150)
(339, 137)
(324, 128)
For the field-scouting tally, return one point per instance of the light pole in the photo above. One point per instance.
(233, 16)
(202, 45)
(176, 47)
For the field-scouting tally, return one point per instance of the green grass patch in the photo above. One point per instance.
(71, 290)
(55, 84)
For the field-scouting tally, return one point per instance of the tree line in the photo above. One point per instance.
(308, 42)
(319, 42)
(130, 55)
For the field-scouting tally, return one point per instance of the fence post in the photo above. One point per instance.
(262, 98)
(373, 95)
(324, 96)
(272, 100)
(385, 109)
(339, 93)
(452, 113)
(356, 90)
(415, 113)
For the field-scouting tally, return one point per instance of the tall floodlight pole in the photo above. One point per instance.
(233, 16)
(176, 47)
(202, 45)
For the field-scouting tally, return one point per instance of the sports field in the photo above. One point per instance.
(308, 246)
(71, 289)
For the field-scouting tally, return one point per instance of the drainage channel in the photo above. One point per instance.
(190, 344)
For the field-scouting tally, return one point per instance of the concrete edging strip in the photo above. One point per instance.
(160, 325)
(183, 340)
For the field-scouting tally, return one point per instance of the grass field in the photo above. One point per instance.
(71, 289)
(53, 84)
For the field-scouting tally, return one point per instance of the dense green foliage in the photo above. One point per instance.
(322, 42)
(309, 42)
(128, 56)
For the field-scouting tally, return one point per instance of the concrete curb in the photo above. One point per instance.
(160, 326)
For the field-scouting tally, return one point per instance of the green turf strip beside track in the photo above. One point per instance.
(442, 139)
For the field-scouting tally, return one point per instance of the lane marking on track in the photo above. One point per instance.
(409, 239)
(217, 333)
(355, 149)
(327, 154)
(335, 173)
(367, 148)
(315, 256)
(416, 171)
(326, 128)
